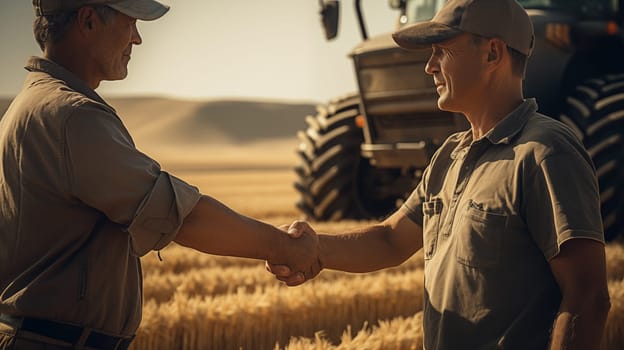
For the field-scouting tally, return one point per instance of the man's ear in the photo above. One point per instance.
(492, 55)
(87, 20)
(496, 50)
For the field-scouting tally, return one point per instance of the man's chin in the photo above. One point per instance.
(443, 105)
(119, 76)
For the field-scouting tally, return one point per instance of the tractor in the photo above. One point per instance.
(363, 153)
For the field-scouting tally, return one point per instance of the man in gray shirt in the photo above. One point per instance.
(507, 213)
(79, 204)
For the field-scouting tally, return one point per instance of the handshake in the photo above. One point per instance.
(295, 253)
(298, 258)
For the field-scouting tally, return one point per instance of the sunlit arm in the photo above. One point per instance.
(374, 247)
(580, 271)
(213, 228)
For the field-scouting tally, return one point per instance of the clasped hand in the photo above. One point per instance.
(300, 259)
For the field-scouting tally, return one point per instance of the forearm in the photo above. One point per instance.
(580, 326)
(364, 250)
(213, 228)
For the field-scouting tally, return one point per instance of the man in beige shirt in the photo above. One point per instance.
(79, 204)
(507, 213)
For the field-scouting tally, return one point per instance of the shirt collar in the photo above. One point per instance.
(512, 123)
(501, 132)
(39, 64)
(463, 143)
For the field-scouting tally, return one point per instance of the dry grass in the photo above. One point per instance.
(274, 313)
(615, 261)
(614, 330)
(210, 302)
(210, 277)
(399, 334)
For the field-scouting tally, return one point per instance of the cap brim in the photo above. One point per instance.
(420, 36)
(145, 10)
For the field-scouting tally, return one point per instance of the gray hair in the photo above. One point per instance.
(52, 28)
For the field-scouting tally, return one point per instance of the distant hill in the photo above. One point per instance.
(181, 122)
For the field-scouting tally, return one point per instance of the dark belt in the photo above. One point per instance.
(66, 332)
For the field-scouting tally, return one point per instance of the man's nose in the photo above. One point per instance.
(136, 37)
(432, 65)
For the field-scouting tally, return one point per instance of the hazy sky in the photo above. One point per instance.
(211, 49)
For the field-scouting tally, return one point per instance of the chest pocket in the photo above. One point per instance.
(479, 236)
(431, 225)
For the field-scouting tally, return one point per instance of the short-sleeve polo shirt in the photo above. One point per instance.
(79, 204)
(494, 211)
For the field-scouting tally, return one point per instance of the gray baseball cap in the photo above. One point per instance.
(145, 10)
(503, 19)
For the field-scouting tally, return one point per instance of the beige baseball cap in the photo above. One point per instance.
(145, 10)
(503, 19)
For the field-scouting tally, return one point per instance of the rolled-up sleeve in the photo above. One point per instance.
(108, 173)
(161, 214)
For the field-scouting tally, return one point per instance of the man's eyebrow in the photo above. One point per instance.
(446, 43)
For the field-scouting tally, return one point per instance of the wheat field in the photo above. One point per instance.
(198, 301)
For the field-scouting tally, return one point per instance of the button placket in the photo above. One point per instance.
(469, 160)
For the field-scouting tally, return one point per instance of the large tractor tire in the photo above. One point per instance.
(595, 111)
(335, 182)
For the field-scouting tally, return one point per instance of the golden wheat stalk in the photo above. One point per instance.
(401, 333)
(215, 279)
(273, 314)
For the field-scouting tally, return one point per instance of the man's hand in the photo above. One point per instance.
(299, 260)
(364, 249)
